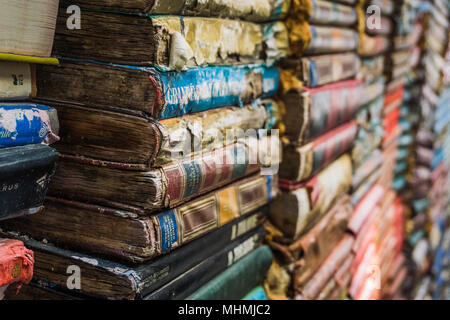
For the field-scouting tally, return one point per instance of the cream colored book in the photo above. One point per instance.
(16, 80)
(27, 27)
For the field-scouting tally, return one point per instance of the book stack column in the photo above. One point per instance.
(308, 220)
(27, 163)
(167, 150)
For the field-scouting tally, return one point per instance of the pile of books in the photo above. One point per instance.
(167, 155)
(27, 163)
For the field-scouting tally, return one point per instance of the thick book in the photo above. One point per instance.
(27, 27)
(123, 186)
(27, 123)
(301, 205)
(313, 112)
(141, 142)
(307, 253)
(190, 281)
(158, 94)
(108, 279)
(25, 173)
(16, 81)
(169, 42)
(16, 263)
(237, 280)
(253, 10)
(125, 235)
(319, 70)
(301, 163)
(315, 39)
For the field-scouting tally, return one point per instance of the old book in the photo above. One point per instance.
(107, 279)
(320, 70)
(16, 81)
(188, 282)
(301, 163)
(138, 238)
(25, 174)
(296, 211)
(16, 263)
(27, 27)
(99, 134)
(159, 94)
(238, 279)
(253, 10)
(307, 253)
(122, 186)
(27, 123)
(325, 12)
(312, 112)
(169, 42)
(313, 40)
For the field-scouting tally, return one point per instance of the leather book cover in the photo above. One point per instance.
(25, 174)
(193, 279)
(27, 123)
(237, 280)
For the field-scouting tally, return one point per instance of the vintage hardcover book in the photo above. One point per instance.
(296, 211)
(307, 253)
(253, 10)
(312, 40)
(193, 279)
(27, 27)
(25, 174)
(122, 281)
(142, 142)
(16, 264)
(312, 112)
(319, 70)
(324, 12)
(237, 280)
(301, 163)
(139, 238)
(119, 185)
(161, 95)
(16, 81)
(27, 123)
(169, 42)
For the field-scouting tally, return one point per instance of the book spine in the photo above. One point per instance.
(253, 10)
(194, 219)
(15, 81)
(331, 13)
(168, 267)
(190, 281)
(238, 279)
(24, 183)
(16, 262)
(321, 70)
(22, 124)
(328, 40)
(208, 88)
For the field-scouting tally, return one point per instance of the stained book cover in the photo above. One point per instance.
(140, 142)
(193, 279)
(312, 112)
(301, 163)
(121, 186)
(253, 10)
(298, 208)
(27, 123)
(169, 42)
(161, 95)
(138, 281)
(139, 238)
(237, 280)
(25, 173)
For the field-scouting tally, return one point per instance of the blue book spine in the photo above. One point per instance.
(22, 124)
(208, 88)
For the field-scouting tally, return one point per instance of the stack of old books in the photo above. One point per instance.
(167, 158)
(26, 162)
(321, 96)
